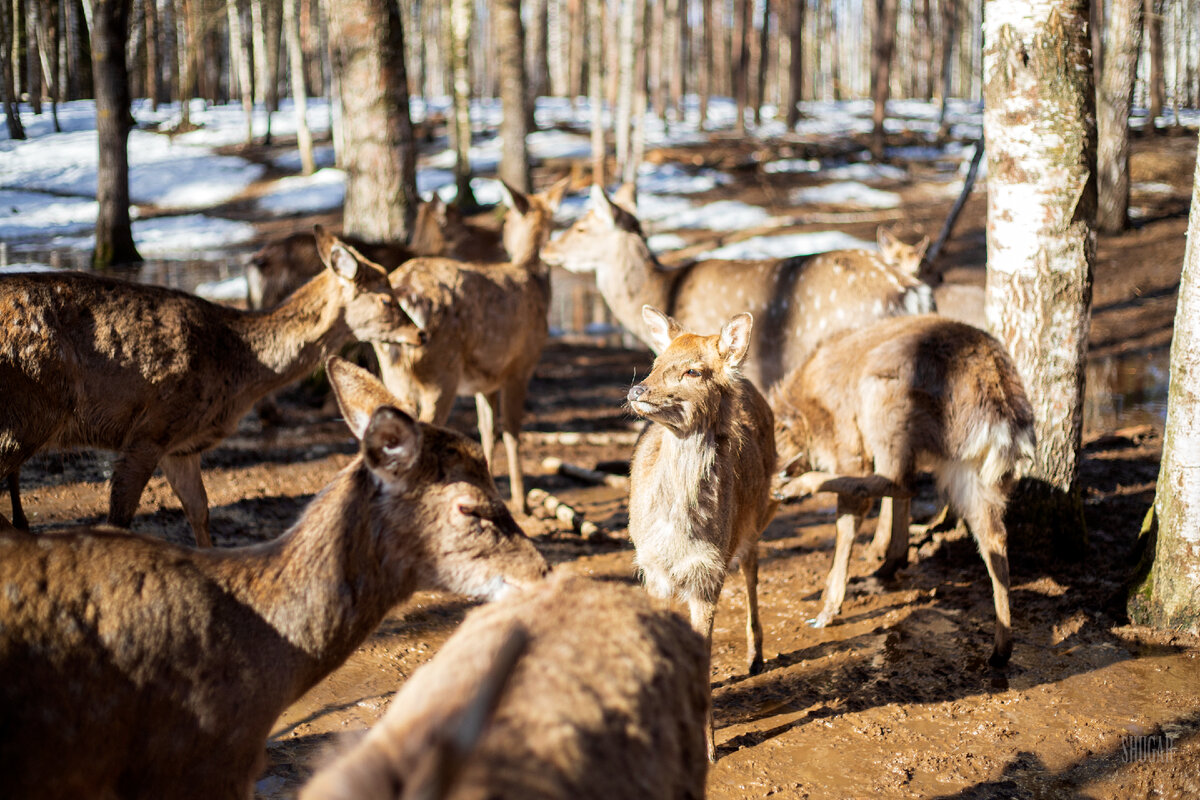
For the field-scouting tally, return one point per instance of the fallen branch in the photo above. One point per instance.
(540, 498)
(576, 438)
(593, 476)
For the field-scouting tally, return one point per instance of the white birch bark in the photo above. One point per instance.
(1039, 130)
(291, 32)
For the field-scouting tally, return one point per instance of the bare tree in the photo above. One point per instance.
(795, 60)
(514, 126)
(240, 64)
(1167, 592)
(49, 40)
(291, 26)
(595, 38)
(1156, 83)
(883, 44)
(367, 44)
(623, 124)
(705, 87)
(7, 83)
(460, 129)
(741, 69)
(114, 234)
(1113, 104)
(1040, 141)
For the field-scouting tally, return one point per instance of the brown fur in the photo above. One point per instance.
(700, 477)
(134, 668)
(283, 265)
(161, 376)
(903, 394)
(604, 704)
(486, 324)
(797, 302)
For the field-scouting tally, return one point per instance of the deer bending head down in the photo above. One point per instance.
(900, 395)
(700, 476)
(158, 375)
(136, 668)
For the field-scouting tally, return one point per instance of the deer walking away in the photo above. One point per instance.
(897, 396)
(131, 667)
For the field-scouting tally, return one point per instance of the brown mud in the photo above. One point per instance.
(893, 700)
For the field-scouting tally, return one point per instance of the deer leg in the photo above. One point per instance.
(512, 409)
(130, 474)
(702, 613)
(183, 473)
(485, 410)
(896, 553)
(849, 517)
(754, 633)
(14, 494)
(987, 525)
(882, 542)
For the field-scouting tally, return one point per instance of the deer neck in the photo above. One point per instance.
(290, 340)
(324, 585)
(632, 278)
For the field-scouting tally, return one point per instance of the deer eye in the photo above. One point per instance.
(693, 373)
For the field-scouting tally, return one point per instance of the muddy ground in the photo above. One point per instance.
(894, 699)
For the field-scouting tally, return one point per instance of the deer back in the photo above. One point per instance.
(607, 700)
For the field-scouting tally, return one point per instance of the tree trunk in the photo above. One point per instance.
(291, 27)
(239, 55)
(1040, 142)
(114, 236)
(33, 61)
(7, 86)
(1114, 102)
(741, 71)
(796, 67)
(153, 80)
(595, 45)
(883, 44)
(762, 62)
(537, 68)
(704, 85)
(460, 66)
(627, 77)
(949, 29)
(514, 158)
(1097, 31)
(184, 37)
(273, 21)
(49, 36)
(1157, 83)
(1167, 595)
(367, 43)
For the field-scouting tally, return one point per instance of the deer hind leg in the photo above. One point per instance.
(133, 469)
(881, 544)
(754, 633)
(512, 409)
(849, 516)
(19, 520)
(702, 613)
(183, 473)
(986, 520)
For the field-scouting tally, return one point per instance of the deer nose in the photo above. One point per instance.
(636, 392)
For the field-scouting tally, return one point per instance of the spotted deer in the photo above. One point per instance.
(532, 700)
(903, 394)
(700, 476)
(796, 302)
(281, 266)
(486, 324)
(160, 376)
(132, 667)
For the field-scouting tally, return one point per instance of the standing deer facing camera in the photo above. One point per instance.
(898, 395)
(701, 474)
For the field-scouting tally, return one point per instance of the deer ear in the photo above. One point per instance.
(334, 254)
(604, 207)
(921, 248)
(391, 445)
(735, 339)
(626, 197)
(358, 393)
(514, 199)
(553, 196)
(887, 242)
(663, 329)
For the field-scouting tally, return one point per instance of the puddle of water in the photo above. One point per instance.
(1126, 390)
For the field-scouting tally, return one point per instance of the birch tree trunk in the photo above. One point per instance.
(741, 70)
(185, 34)
(626, 79)
(114, 236)
(239, 54)
(291, 30)
(1114, 102)
(460, 67)
(595, 45)
(367, 47)
(796, 60)
(704, 86)
(273, 22)
(1040, 141)
(1168, 595)
(514, 158)
(1157, 84)
(7, 85)
(883, 44)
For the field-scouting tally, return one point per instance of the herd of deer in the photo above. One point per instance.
(131, 667)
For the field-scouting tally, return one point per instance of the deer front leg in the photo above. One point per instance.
(19, 520)
(895, 554)
(882, 542)
(183, 473)
(512, 409)
(485, 411)
(849, 516)
(754, 634)
(702, 613)
(133, 469)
